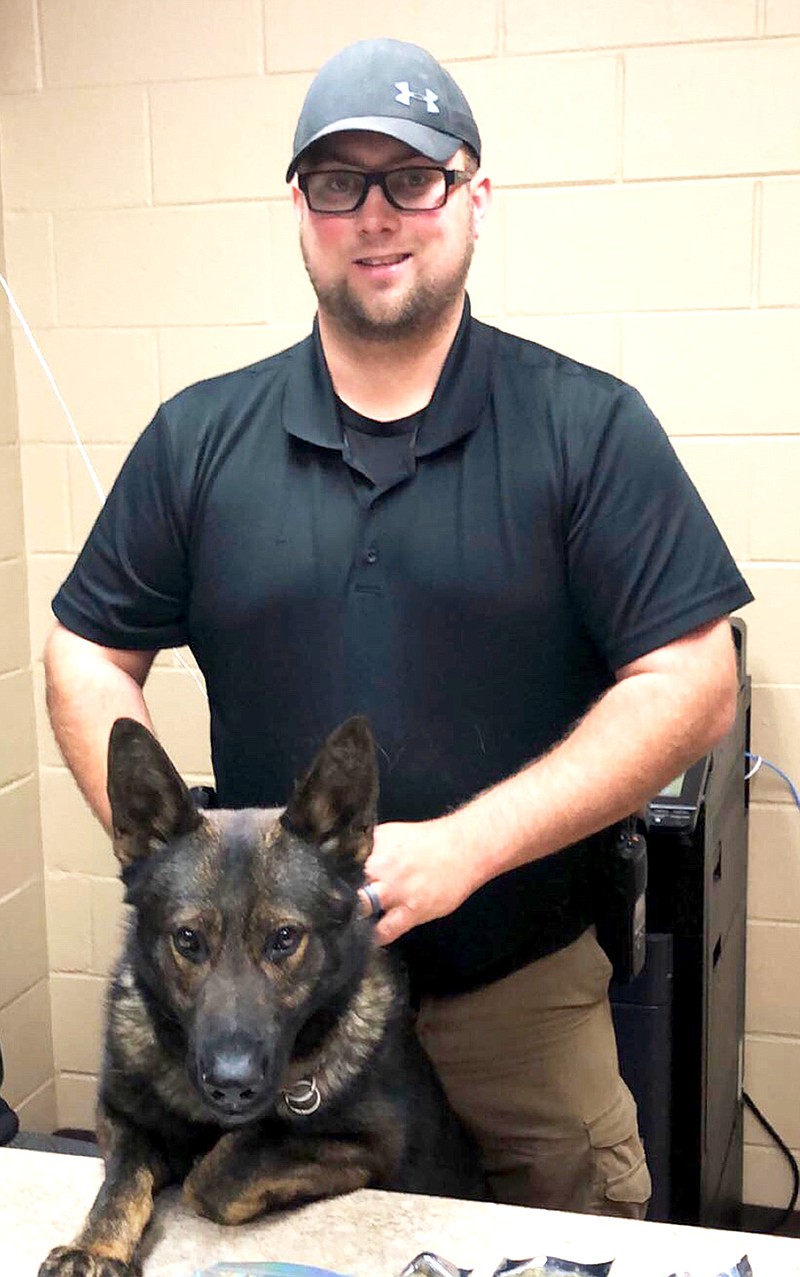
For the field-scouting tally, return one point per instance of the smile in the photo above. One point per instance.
(394, 260)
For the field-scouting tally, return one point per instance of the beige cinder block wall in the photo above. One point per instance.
(25, 1035)
(648, 196)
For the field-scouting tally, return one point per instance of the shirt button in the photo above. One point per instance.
(371, 555)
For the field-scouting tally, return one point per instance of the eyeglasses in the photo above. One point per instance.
(412, 190)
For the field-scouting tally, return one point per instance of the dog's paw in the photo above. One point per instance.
(71, 1261)
(209, 1204)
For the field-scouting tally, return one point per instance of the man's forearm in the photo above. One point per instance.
(633, 741)
(88, 687)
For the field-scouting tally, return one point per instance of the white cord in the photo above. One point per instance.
(756, 766)
(37, 352)
(98, 487)
(190, 670)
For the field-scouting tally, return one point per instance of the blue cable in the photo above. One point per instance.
(762, 762)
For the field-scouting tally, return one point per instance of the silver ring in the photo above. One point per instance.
(375, 907)
(303, 1098)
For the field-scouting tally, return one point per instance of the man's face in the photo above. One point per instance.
(380, 273)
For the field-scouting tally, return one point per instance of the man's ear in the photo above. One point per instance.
(335, 805)
(481, 194)
(149, 802)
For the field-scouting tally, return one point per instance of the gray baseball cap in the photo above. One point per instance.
(387, 86)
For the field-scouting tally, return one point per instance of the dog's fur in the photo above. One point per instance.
(248, 978)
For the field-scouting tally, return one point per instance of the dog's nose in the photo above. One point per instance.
(234, 1080)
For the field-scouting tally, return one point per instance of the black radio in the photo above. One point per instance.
(621, 916)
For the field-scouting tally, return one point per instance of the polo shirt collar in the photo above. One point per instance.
(309, 406)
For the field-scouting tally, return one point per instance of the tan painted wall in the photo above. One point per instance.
(647, 167)
(25, 1035)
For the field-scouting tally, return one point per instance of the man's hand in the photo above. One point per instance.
(418, 872)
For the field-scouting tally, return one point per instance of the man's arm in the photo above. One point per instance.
(88, 687)
(665, 710)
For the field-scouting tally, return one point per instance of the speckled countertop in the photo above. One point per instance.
(44, 1197)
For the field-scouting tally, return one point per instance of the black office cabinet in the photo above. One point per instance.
(642, 1012)
(697, 835)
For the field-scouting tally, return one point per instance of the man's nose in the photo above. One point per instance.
(376, 207)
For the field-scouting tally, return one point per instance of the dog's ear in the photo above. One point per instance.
(149, 801)
(335, 805)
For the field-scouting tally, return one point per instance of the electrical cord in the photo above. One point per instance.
(759, 762)
(786, 1214)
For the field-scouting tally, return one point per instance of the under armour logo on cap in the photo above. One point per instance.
(406, 95)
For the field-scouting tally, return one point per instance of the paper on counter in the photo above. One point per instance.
(429, 1265)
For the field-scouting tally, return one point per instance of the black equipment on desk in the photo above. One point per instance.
(680, 1024)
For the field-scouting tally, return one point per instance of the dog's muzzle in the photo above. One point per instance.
(234, 1082)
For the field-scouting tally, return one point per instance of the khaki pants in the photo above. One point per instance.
(530, 1065)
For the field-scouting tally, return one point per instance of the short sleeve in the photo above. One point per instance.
(646, 561)
(129, 585)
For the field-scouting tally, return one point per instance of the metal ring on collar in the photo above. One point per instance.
(303, 1098)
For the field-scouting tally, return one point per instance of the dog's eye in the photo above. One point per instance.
(282, 943)
(190, 944)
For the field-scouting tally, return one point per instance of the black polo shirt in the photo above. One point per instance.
(544, 536)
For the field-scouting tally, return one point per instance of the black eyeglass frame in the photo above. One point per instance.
(453, 178)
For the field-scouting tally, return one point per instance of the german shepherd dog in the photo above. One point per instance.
(258, 1044)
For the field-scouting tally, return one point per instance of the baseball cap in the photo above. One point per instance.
(391, 87)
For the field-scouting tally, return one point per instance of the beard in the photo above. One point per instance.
(419, 312)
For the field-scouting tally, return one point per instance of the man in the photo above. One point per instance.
(491, 551)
